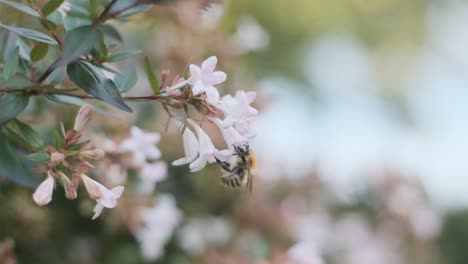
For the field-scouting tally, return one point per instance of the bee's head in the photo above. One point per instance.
(242, 150)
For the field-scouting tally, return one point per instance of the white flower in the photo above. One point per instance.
(237, 117)
(142, 146)
(157, 226)
(199, 151)
(43, 193)
(203, 80)
(152, 173)
(64, 8)
(206, 149)
(103, 196)
(190, 148)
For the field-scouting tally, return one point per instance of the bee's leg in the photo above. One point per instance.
(226, 166)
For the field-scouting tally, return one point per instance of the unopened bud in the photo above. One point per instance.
(84, 115)
(94, 154)
(69, 186)
(56, 158)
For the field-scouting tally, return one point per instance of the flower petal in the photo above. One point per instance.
(212, 95)
(195, 74)
(209, 64)
(217, 77)
(117, 191)
(190, 148)
(198, 88)
(97, 210)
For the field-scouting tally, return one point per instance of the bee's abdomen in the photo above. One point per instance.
(233, 180)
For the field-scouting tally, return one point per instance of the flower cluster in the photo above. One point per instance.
(232, 115)
(67, 160)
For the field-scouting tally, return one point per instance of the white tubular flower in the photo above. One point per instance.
(203, 80)
(190, 148)
(84, 115)
(141, 145)
(43, 193)
(198, 152)
(103, 196)
(237, 115)
(206, 149)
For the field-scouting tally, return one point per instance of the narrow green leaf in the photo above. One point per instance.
(25, 133)
(77, 146)
(31, 34)
(111, 32)
(124, 4)
(41, 157)
(14, 166)
(126, 79)
(49, 25)
(64, 99)
(12, 104)
(77, 42)
(21, 7)
(51, 6)
(58, 141)
(153, 81)
(11, 64)
(39, 51)
(85, 77)
(122, 55)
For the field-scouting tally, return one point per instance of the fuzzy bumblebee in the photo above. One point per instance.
(239, 171)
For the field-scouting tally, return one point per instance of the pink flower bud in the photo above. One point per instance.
(56, 158)
(69, 186)
(84, 115)
(94, 154)
(43, 193)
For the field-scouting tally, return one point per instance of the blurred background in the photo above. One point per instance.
(361, 137)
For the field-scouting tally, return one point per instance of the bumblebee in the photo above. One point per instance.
(239, 171)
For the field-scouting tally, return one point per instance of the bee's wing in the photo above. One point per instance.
(249, 185)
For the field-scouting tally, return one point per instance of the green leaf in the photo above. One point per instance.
(122, 55)
(31, 34)
(123, 4)
(126, 79)
(12, 104)
(41, 157)
(64, 99)
(39, 51)
(25, 134)
(51, 6)
(153, 81)
(77, 146)
(84, 76)
(58, 141)
(49, 25)
(77, 42)
(11, 64)
(111, 32)
(23, 8)
(14, 166)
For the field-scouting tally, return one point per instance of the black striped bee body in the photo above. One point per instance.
(239, 171)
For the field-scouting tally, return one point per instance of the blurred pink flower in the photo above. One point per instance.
(202, 79)
(141, 145)
(157, 226)
(43, 193)
(103, 196)
(152, 173)
(305, 252)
